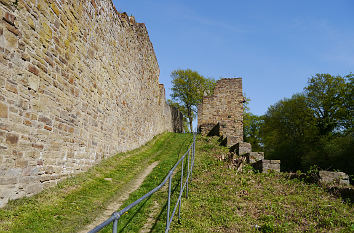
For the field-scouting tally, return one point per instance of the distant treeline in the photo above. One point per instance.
(314, 127)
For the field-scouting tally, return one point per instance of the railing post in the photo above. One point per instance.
(180, 193)
(115, 226)
(168, 203)
(192, 158)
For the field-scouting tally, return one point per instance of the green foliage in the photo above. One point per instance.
(312, 174)
(252, 130)
(288, 131)
(313, 127)
(251, 127)
(188, 89)
(327, 96)
(267, 228)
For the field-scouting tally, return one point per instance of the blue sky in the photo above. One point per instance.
(274, 45)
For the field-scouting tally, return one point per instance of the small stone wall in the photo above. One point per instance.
(266, 165)
(254, 157)
(328, 177)
(241, 148)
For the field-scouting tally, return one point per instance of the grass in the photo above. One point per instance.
(136, 218)
(223, 201)
(219, 200)
(76, 201)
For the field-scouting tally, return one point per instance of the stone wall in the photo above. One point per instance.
(78, 82)
(328, 177)
(266, 165)
(223, 110)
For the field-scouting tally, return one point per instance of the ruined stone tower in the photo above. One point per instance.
(222, 112)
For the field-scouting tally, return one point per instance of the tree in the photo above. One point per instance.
(327, 96)
(251, 127)
(288, 131)
(188, 89)
(252, 130)
(349, 104)
(313, 127)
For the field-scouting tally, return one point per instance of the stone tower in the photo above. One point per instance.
(221, 113)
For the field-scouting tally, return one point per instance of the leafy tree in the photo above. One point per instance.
(252, 130)
(339, 153)
(251, 127)
(313, 127)
(288, 131)
(331, 99)
(327, 96)
(349, 103)
(188, 89)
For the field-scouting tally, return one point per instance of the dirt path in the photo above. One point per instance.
(153, 214)
(129, 188)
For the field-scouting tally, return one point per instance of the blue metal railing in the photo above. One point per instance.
(190, 155)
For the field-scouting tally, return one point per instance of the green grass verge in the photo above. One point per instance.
(222, 201)
(136, 218)
(76, 201)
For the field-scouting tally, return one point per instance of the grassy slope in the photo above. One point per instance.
(222, 201)
(76, 201)
(219, 200)
(135, 219)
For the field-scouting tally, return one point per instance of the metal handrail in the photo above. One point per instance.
(190, 154)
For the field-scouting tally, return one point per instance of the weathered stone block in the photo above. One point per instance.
(5, 191)
(11, 87)
(334, 177)
(254, 157)
(33, 69)
(45, 120)
(11, 40)
(3, 110)
(34, 188)
(10, 18)
(21, 163)
(241, 148)
(8, 2)
(13, 29)
(266, 165)
(231, 140)
(8, 180)
(12, 138)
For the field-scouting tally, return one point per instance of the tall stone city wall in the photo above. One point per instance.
(78, 83)
(224, 110)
